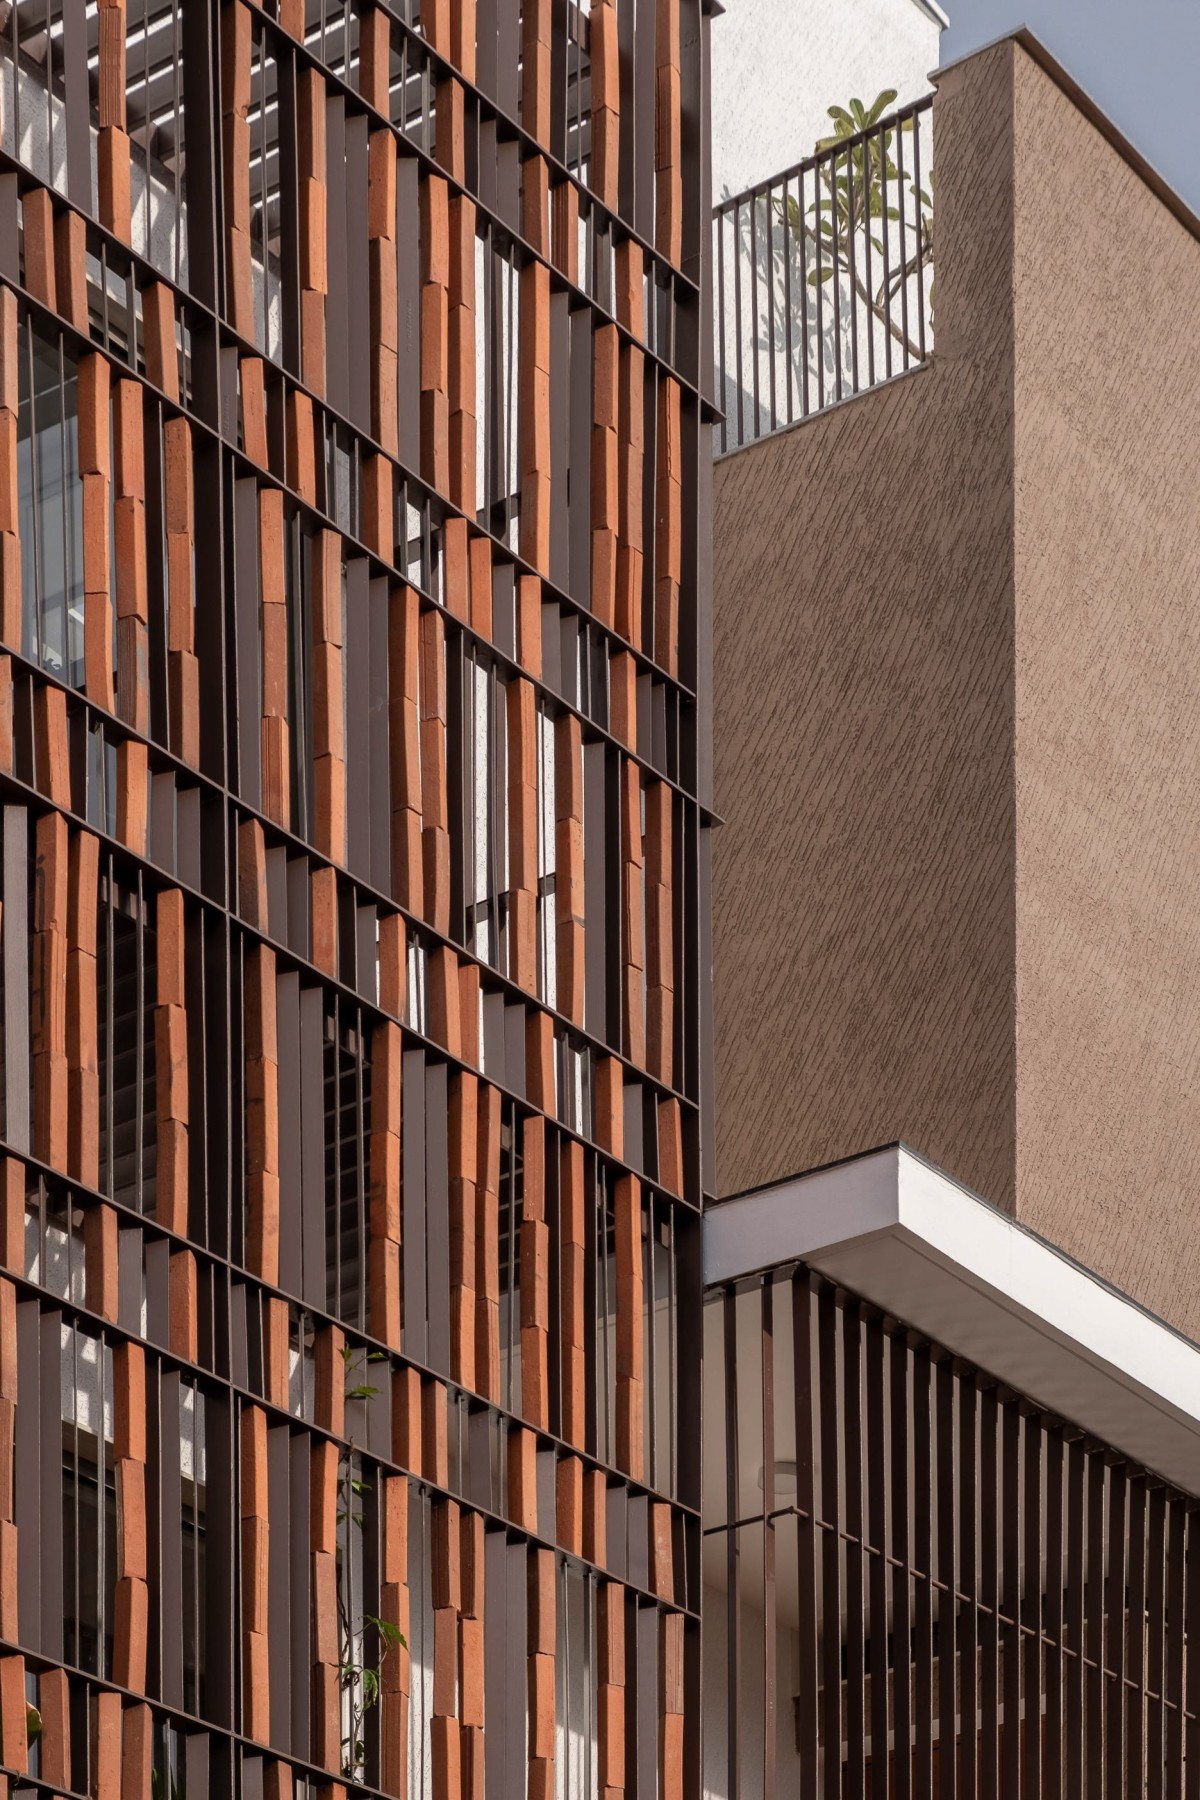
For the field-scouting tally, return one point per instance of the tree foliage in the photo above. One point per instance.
(862, 194)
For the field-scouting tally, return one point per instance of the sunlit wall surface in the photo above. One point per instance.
(354, 769)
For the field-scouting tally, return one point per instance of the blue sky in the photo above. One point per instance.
(1138, 59)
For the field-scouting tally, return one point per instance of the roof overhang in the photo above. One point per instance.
(933, 12)
(897, 1232)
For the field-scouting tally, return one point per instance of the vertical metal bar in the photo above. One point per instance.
(804, 383)
(737, 323)
(831, 1545)
(837, 251)
(901, 1560)
(1075, 1614)
(885, 153)
(1174, 1650)
(1135, 1693)
(361, 1134)
(64, 520)
(37, 484)
(110, 984)
(819, 285)
(733, 1601)
(922, 1461)
(651, 1385)
(916, 118)
(179, 147)
(722, 328)
(868, 189)
(852, 232)
(15, 54)
(947, 1571)
(1010, 1597)
(768, 1465)
(140, 1029)
(854, 1776)
(989, 1537)
(1156, 1627)
(878, 1658)
(1031, 1606)
(1053, 1618)
(1189, 1631)
(1114, 1700)
(510, 404)
(807, 1742)
(673, 1356)
(771, 344)
(604, 1377)
(1093, 1629)
(903, 222)
(48, 90)
(333, 1206)
(787, 298)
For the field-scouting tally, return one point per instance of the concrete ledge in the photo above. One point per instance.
(896, 1231)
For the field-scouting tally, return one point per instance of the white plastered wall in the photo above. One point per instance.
(779, 65)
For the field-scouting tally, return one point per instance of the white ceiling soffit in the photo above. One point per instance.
(897, 1232)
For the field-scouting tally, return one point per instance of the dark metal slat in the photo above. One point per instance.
(807, 1551)
(831, 1547)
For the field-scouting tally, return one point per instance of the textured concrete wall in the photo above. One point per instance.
(863, 895)
(1108, 726)
(957, 655)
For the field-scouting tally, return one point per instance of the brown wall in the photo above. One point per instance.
(957, 622)
(863, 920)
(1108, 722)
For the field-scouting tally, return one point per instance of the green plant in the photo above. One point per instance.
(854, 205)
(165, 1787)
(359, 1680)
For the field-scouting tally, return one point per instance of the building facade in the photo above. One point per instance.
(378, 1181)
(952, 1421)
(356, 782)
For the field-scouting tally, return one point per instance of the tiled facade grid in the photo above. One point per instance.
(352, 741)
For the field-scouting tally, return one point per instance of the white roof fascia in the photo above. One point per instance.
(899, 1233)
(932, 11)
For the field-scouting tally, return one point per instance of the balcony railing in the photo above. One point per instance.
(823, 277)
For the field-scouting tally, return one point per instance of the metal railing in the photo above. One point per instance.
(823, 277)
